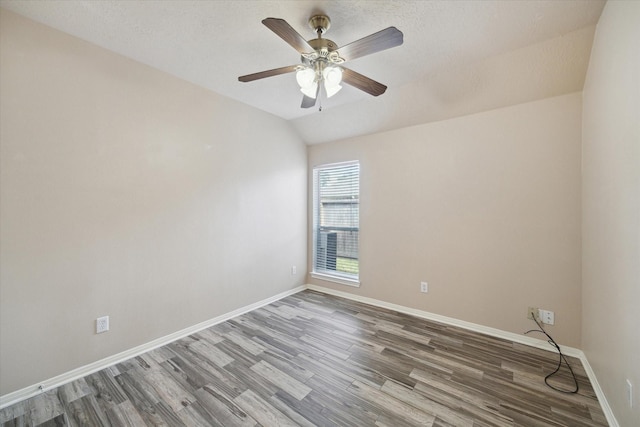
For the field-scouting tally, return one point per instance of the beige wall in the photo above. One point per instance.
(129, 193)
(611, 207)
(486, 208)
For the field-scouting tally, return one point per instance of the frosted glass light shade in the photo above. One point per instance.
(331, 90)
(305, 77)
(310, 90)
(332, 78)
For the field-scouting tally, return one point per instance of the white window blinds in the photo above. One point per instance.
(336, 219)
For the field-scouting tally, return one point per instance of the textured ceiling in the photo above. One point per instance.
(458, 57)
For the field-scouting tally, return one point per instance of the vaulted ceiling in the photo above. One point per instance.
(458, 57)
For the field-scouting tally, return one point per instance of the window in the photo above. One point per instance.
(336, 222)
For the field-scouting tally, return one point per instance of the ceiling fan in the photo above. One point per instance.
(321, 59)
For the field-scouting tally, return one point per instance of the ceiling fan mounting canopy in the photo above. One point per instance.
(320, 23)
(322, 59)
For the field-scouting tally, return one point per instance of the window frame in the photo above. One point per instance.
(325, 274)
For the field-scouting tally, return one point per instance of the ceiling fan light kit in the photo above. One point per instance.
(308, 79)
(322, 59)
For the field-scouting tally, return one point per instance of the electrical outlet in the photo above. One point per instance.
(532, 313)
(102, 324)
(547, 317)
(424, 287)
(294, 270)
(630, 393)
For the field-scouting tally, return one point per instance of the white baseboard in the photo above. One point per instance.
(498, 333)
(606, 408)
(30, 391)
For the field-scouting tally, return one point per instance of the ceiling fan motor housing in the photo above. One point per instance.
(324, 50)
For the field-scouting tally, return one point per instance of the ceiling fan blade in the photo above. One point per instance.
(385, 39)
(268, 73)
(363, 83)
(308, 102)
(288, 34)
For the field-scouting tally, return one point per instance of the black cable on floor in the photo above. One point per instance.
(560, 359)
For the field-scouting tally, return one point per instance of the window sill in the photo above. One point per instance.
(336, 279)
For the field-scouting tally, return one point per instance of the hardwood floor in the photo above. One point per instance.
(314, 359)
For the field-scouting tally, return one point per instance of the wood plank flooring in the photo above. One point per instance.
(317, 360)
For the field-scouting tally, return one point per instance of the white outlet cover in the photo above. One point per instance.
(546, 316)
(424, 287)
(102, 324)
